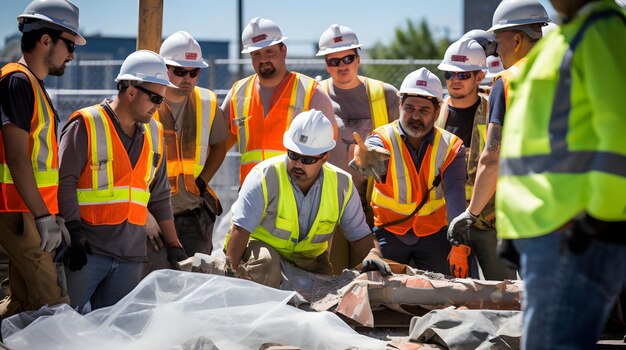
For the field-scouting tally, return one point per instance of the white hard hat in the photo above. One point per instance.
(486, 39)
(144, 66)
(337, 38)
(260, 33)
(464, 55)
(548, 28)
(182, 50)
(514, 13)
(494, 66)
(55, 14)
(310, 133)
(423, 83)
(621, 3)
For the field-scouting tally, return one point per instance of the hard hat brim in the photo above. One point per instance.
(181, 63)
(47, 22)
(130, 77)
(306, 151)
(454, 68)
(262, 44)
(497, 27)
(417, 92)
(330, 50)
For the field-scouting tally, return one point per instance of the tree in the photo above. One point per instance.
(413, 42)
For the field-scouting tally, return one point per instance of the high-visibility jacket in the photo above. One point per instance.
(43, 149)
(564, 150)
(405, 186)
(378, 112)
(109, 189)
(279, 226)
(187, 148)
(509, 74)
(486, 220)
(260, 137)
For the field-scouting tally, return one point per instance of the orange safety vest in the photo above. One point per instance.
(405, 186)
(109, 189)
(187, 148)
(42, 145)
(260, 137)
(508, 74)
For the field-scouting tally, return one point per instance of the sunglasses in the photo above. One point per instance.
(304, 159)
(154, 97)
(71, 46)
(181, 72)
(460, 75)
(334, 62)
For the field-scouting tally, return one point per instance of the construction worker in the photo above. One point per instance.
(494, 67)
(29, 225)
(464, 113)
(261, 106)
(561, 194)
(289, 206)
(360, 104)
(420, 180)
(517, 26)
(112, 171)
(195, 138)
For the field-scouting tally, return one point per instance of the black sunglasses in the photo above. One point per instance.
(154, 97)
(460, 75)
(304, 159)
(71, 46)
(181, 72)
(334, 62)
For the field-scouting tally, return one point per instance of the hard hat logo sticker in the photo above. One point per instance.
(303, 139)
(338, 39)
(459, 58)
(421, 83)
(191, 55)
(258, 38)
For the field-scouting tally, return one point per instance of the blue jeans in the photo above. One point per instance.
(568, 297)
(103, 281)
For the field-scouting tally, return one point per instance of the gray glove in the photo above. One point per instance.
(369, 160)
(64, 231)
(459, 228)
(49, 231)
(374, 262)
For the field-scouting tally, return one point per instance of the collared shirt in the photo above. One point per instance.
(124, 241)
(453, 178)
(249, 206)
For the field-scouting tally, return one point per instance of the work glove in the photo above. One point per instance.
(457, 259)
(370, 161)
(153, 231)
(174, 255)
(201, 185)
(459, 228)
(65, 234)
(49, 231)
(76, 255)
(374, 262)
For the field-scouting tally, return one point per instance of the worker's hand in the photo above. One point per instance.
(153, 231)
(457, 259)
(370, 161)
(49, 231)
(374, 262)
(76, 255)
(459, 228)
(201, 185)
(174, 255)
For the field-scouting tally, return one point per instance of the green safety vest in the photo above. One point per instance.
(561, 154)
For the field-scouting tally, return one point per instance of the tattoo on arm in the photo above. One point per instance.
(494, 138)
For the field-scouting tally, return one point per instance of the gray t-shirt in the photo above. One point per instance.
(353, 113)
(125, 241)
(248, 209)
(184, 200)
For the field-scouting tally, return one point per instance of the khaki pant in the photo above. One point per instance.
(261, 263)
(32, 273)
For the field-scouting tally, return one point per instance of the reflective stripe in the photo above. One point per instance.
(398, 167)
(152, 131)
(270, 185)
(120, 194)
(241, 106)
(378, 104)
(561, 159)
(43, 178)
(101, 150)
(258, 156)
(204, 123)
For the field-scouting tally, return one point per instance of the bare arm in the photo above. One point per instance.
(487, 171)
(363, 246)
(169, 233)
(237, 244)
(18, 161)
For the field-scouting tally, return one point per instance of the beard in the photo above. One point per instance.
(267, 70)
(54, 70)
(416, 128)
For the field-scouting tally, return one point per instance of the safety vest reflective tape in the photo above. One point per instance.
(42, 144)
(187, 147)
(563, 155)
(404, 186)
(110, 190)
(260, 134)
(509, 74)
(279, 226)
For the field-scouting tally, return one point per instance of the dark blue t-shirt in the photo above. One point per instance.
(497, 103)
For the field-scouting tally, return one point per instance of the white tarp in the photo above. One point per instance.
(185, 310)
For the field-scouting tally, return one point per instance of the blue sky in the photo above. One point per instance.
(301, 21)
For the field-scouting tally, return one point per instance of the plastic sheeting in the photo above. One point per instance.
(183, 310)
